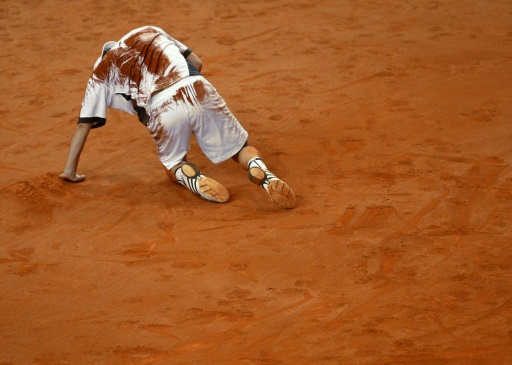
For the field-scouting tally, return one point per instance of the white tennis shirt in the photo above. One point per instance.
(144, 61)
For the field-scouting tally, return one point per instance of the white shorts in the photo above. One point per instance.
(193, 106)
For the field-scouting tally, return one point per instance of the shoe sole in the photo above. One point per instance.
(210, 189)
(281, 193)
(278, 190)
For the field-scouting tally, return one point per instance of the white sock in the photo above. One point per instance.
(257, 162)
(179, 175)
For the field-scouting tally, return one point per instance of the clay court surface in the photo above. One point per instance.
(391, 120)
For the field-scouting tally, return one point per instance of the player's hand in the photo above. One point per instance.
(72, 177)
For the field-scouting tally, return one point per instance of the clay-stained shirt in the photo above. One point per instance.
(144, 61)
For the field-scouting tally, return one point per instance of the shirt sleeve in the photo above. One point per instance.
(181, 46)
(94, 104)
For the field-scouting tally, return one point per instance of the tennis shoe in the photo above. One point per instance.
(191, 177)
(276, 188)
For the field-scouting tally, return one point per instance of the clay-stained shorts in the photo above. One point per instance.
(193, 106)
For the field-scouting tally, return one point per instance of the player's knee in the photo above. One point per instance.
(246, 154)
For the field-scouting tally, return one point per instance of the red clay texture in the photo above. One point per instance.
(390, 120)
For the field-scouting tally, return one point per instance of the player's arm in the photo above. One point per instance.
(189, 55)
(75, 149)
(195, 61)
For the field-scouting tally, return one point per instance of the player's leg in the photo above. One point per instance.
(188, 174)
(171, 131)
(250, 159)
(221, 136)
